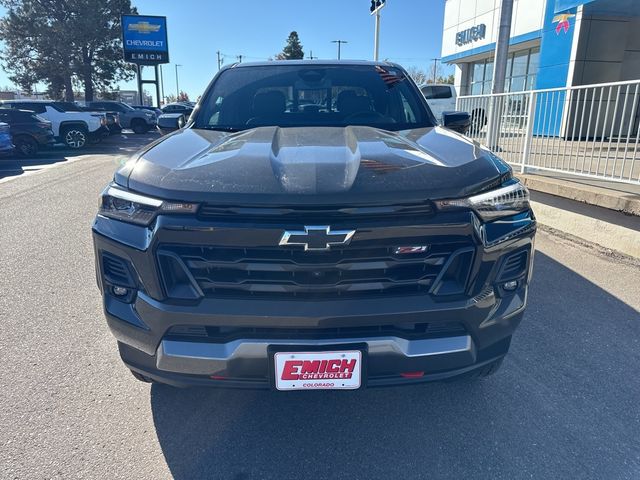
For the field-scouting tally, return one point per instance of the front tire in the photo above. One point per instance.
(25, 146)
(139, 126)
(75, 137)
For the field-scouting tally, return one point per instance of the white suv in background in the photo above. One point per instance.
(74, 129)
(441, 98)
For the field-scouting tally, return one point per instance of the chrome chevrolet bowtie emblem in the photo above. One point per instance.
(317, 237)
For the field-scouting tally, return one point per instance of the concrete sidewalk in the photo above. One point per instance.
(600, 212)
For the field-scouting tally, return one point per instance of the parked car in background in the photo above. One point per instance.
(168, 122)
(440, 97)
(73, 128)
(6, 145)
(174, 114)
(113, 122)
(113, 118)
(139, 121)
(180, 107)
(30, 132)
(148, 108)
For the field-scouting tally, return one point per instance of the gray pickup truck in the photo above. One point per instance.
(140, 121)
(311, 227)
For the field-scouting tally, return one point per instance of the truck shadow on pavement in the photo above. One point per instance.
(564, 405)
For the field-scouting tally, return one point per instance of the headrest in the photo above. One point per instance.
(269, 103)
(348, 102)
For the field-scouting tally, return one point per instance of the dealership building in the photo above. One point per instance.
(554, 43)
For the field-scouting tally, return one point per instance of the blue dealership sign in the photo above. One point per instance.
(144, 39)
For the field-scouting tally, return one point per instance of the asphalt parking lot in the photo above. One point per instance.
(565, 404)
(124, 143)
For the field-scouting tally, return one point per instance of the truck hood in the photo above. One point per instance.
(312, 165)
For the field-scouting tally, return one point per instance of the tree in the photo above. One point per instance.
(421, 76)
(450, 79)
(183, 97)
(418, 75)
(435, 72)
(293, 48)
(60, 42)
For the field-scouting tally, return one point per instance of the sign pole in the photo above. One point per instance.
(161, 101)
(140, 92)
(158, 101)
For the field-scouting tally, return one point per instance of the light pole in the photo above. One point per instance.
(499, 73)
(177, 84)
(435, 68)
(376, 6)
(339, 42)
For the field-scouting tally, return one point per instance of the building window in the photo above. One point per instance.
(522, 67)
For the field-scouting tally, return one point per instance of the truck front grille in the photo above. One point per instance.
(343, 272)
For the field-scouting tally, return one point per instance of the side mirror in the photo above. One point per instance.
(170, 122)
(456, 121)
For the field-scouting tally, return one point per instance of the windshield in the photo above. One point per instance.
(57, 107)
(304, 95)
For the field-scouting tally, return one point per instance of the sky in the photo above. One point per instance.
(411, 33)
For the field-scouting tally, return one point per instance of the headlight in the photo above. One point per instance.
(510, 199)
(135, 208)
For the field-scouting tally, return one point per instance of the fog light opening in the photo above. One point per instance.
(412, 374)
(120, 291)
(510, 286)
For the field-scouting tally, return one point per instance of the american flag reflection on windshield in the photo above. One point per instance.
(389, 77)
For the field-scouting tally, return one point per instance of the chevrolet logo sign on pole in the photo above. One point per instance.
(144, 39)
(144, 42)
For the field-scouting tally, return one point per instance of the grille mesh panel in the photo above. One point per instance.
(292, 272)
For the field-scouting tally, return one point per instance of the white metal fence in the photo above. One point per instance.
(590, 130)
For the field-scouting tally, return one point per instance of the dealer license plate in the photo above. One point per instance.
(341, 370)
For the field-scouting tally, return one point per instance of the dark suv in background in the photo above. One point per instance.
(312, 227)
(29, 131)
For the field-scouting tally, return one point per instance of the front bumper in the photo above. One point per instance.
(143, 327)
(46, 139)
(435, 360)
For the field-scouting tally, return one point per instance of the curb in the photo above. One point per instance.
(590, 229)
(611, 199)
